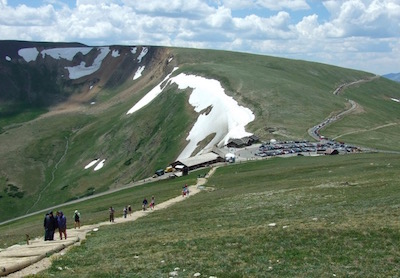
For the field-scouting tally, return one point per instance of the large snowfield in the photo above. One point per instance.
(227, 119)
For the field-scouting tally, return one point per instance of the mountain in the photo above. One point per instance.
(393, 76)
(76, 120)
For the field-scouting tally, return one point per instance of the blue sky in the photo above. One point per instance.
(358, 34)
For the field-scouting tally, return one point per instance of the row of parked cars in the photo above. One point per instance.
(300, 147)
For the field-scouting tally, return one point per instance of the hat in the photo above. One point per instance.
(76, 211)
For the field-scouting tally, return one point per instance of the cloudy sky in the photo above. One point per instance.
(359, 34)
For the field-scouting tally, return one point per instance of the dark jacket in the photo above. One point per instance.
(50, 223)
(62, 221)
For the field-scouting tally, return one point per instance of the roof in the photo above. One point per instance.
(199, 159)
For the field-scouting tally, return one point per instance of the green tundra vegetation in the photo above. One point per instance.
(283, 217)
(44, 152)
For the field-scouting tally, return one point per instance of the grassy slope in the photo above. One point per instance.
(147, 139)
(286, 96)
(96, 210)
(378, 125)
(334, 215)
(289, 96)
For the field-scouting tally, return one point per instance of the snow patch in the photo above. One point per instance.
(65, 53)
(395, 99)
(91, 163)
(100, 165)
(170, 59)
(138, 73)
(224, 117)
(81, 70)
(115, 53)
(150, 95)
(142, 54)
(133, 50)
(29, 54)
(8, 58)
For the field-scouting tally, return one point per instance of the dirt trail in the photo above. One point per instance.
(23, 260)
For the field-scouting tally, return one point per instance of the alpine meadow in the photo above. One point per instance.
(87, 127)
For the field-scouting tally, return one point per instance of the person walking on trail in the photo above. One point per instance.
(62, 225)
(125, 211)
(144, 204)
(187, 190)
(152, 203)
(130, 210)
(111, 210)
(77, 218)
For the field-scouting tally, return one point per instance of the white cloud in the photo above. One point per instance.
(283, 4)
(287, 27)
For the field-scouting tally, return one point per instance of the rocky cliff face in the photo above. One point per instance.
(34, 74)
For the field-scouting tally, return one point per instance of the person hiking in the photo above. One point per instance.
(144, 204)
(111, 210)
(125, 211)
(62, 224)
(77, 218)
(152, 202)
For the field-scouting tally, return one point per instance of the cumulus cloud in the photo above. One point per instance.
(290, 28)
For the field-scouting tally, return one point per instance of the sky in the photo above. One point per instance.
(358, 34)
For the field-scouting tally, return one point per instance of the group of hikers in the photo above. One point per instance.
(51, 223)
(128, 209)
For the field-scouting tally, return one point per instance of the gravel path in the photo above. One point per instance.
(23, 260)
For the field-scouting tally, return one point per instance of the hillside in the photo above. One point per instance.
(65, 105)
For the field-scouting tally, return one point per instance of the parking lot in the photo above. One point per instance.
(291, 148)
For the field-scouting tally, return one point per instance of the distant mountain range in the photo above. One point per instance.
(393, 76)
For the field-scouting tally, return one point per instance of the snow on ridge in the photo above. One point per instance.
(150, 95)
(29, 54)
(81, 70)
(227, 119)
(67, 53)
(115, 53)
(8, 58)
(138, 73)
(142, 54)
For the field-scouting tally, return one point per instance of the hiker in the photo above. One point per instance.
(62, 224)
(111, 210)
(50, 225)
(184, 190)
(77, 218)
(144, 204)
(152, 202)
(187, 190)
(125, 211)
(130, 210)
